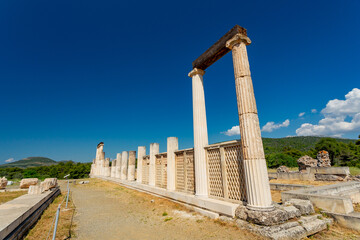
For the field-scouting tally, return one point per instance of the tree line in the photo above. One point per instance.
(341, 153)
(76, 171)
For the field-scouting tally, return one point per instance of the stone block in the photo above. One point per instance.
(305, 162)
(305, 206)
(3, 182)
(328, 177)
(49, 183)
(35, 189)
(27, 182)
(292, 211)
(282, 169)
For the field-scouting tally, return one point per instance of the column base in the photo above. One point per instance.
(257, 208)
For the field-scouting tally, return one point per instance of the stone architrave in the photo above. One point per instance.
(154, 149)
(27, 182)
(3, 182)
(252, 151)
(172, 146)
(200, 132)
(141, 154)
(124, 165)
(131, 166)
(118, 166)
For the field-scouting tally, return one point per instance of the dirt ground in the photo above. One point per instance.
(108, 211)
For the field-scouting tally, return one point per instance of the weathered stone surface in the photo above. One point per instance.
(269, 218)
(83, 182)
(305, 206)
(3, 182)
(282, 169)
(240, 212)
(306, 161)
(292, 211)
(328, 177)
(49, 183)
(323, 159)
(27, 182)
(35, 189)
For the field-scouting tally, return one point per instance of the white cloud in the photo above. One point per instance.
(313, 110)
(235, 130)
(301, 114)
(270, 126)
(9, 160)
(335, 121)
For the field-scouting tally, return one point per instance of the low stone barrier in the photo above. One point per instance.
(314, 173)
(287, 187)
(19, 215)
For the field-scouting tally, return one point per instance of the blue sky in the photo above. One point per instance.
(74, 73)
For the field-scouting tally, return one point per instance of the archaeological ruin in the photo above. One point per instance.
(227, 179)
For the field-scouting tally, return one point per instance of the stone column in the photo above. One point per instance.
(107, 168)
(141, 154)
(256, 175)
(154, 149)
(124, 164)
(200, 132)
(131, 166)
(172, 146)
(118, 166)
(113, 168)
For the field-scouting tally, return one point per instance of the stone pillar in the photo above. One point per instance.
(131, 166)
(113, 168)
(118, 166)
(107, 168)
(256, 175)
(124, 163)
(200, 132)
(154, 149)
(172, 146)
(141, 154)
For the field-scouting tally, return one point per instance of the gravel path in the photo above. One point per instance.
(108, 211)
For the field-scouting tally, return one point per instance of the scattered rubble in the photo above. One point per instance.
(282, 169)
(323, 159)
(305, 162)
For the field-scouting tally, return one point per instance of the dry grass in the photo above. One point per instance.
(65, 226)
(357, 207)
(336, 232)
(314, 183)
(165, 208)
(8, 196)
(293, 169)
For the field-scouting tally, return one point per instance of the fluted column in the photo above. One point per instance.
(154, 149)
(124, 165)
(141, 154)
(257, 181)
(172, 146)
(200, 132)
(131, 166)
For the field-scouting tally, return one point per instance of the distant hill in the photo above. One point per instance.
(273, 145)
(30, 162)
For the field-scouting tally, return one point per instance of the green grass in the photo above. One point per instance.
(354, 171)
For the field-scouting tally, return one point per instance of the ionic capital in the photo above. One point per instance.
(196, 71)
(238, 38)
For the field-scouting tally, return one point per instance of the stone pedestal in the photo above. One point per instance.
(131, 166)
(200, 132)
(257, 182)
(124, 165)
(141, 154)
(172, 146)
(154, 149)
(118, 166)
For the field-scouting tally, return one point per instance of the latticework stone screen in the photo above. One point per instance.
(226, 172)
(161, 172)
(185, 175)
(145, 170)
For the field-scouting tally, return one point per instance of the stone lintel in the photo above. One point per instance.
(217, 50)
